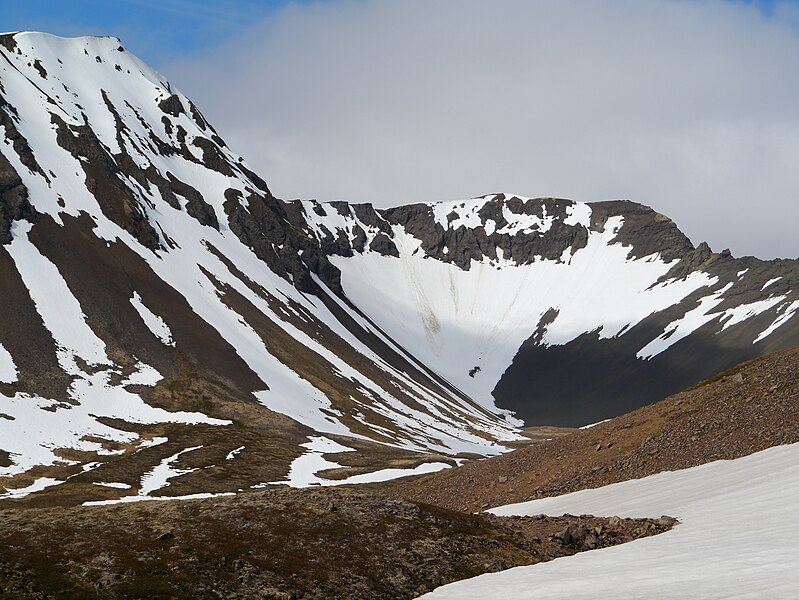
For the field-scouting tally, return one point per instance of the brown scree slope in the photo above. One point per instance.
(749, 408)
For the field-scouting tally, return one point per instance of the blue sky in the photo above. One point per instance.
(162, 31)
(156, 30)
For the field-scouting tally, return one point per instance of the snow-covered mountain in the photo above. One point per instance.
(159, 302)
(564, 312)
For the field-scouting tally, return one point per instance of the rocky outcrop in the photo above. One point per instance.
(115, 199)
(172, 105)
(461, 244)
(264, 226)
(644, 230)
(14, 202)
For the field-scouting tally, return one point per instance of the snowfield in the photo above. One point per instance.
(738, 538)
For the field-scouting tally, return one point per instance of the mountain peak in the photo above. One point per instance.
(160, 301)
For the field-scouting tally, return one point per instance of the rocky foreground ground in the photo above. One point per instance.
(278, 543)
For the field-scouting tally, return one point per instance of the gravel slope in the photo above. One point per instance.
(749, 408)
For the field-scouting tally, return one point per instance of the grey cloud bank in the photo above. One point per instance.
(691, 107)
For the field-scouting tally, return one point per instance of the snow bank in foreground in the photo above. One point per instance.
(739, 538)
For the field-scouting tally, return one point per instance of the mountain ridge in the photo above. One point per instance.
(690, 289)
(157, 290)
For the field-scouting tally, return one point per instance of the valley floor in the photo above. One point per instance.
(278, 543)
(738, 538)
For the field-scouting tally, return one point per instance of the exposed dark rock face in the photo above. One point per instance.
(37, 64)
(644, 230)
(196, 205)
(198, 116)
(264, 226)
(14, 203)
(114, 198)
(382, 244)
(461, 245)
(172, 106)
(259, 183)
(18, 142)
(212, 157)
(7, 40)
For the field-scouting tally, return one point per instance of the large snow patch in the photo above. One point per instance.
(739, 538)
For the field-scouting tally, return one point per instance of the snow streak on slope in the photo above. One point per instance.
(159, 477)
(59, 309)
(737, 538)
(702, 314)
(154, 323)
(304, 469)
(787, 312)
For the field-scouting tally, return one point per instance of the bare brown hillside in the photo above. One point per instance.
(747, 409)
(278, 543)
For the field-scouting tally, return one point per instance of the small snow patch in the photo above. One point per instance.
(112, 484)
(304, 468)
(232, 454)
(159, 477)
(8, 370)
(154, 323)
(594, 424)
(36, 486)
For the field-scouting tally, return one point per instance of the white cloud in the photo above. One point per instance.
(689, 106)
